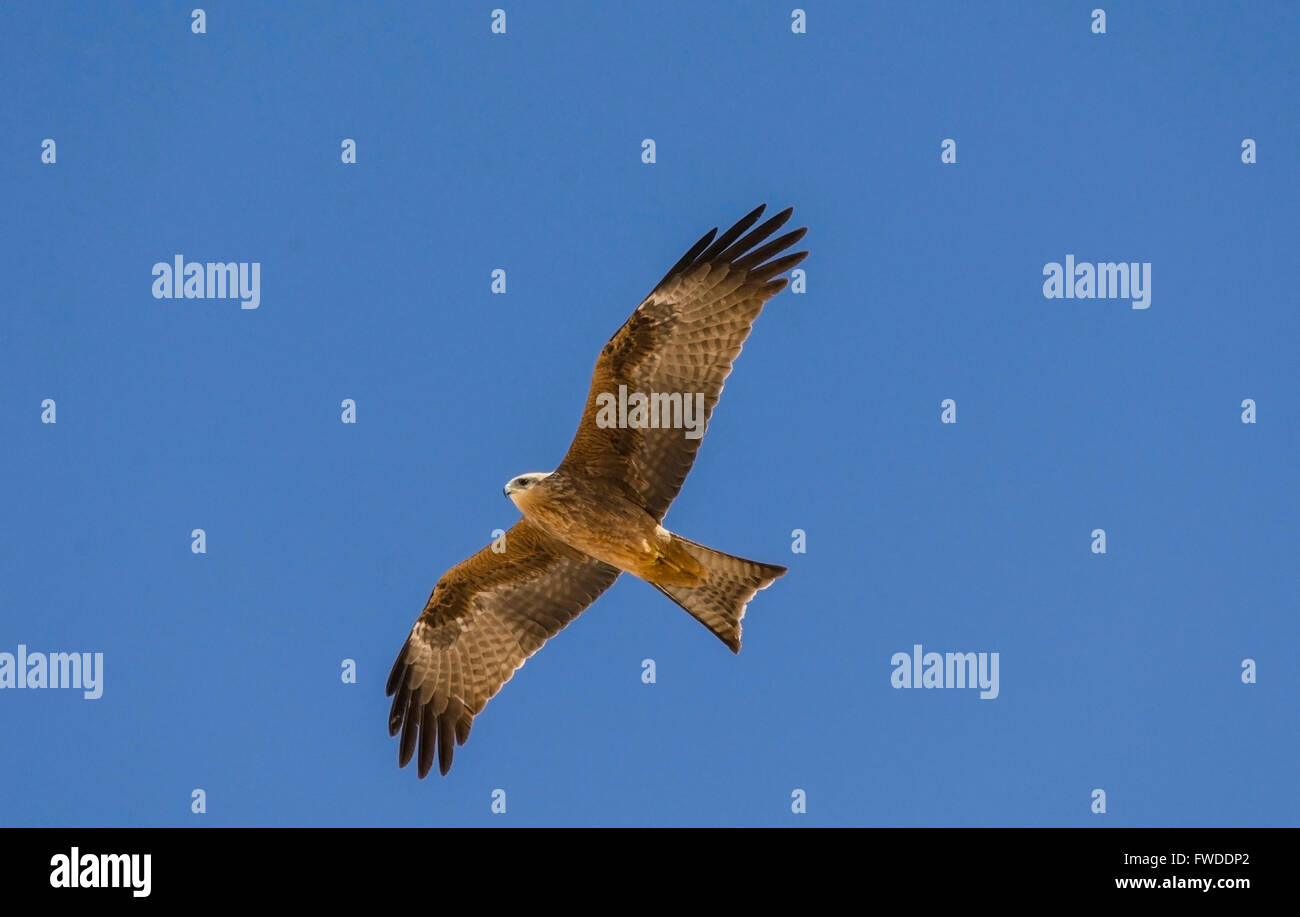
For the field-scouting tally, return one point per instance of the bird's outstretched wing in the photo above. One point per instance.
(682, 339)
(485, 617)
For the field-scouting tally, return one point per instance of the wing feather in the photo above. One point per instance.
(683, 339)
(485, 617)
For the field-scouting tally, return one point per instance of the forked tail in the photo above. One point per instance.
(719, 601)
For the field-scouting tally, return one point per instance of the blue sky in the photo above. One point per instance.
(521, 151)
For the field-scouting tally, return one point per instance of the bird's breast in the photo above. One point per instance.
(604, 526)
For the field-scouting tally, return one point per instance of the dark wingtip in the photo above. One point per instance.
(406, 748)
(398, 711)
(446, 742)
(743, 237)
(728, 238)
(395, 673)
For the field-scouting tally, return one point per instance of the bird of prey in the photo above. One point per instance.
(599, 513)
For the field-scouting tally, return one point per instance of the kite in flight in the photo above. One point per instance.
(599, 513)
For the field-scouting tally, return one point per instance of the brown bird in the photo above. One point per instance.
(600, 512)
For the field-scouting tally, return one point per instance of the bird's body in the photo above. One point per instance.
(600, 513)
(599, 521)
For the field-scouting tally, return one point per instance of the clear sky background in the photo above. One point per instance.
(523, 152)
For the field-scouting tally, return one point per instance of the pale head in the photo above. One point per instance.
(522, 483)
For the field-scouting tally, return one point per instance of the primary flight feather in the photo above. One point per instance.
(599, 513)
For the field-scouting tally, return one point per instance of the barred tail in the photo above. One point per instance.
(730, 583)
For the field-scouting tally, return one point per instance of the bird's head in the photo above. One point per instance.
(521, 484)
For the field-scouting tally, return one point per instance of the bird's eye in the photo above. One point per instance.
(521, 483)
